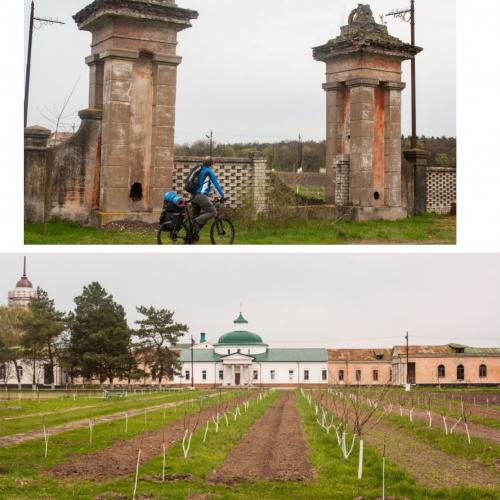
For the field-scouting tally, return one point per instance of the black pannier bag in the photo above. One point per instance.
(172, 216)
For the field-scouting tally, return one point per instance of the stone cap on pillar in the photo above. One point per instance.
(90, 114)
(148, 10)
(416, 154)
(362, 82)
(363, 34)
(333, 86)
(36, 136)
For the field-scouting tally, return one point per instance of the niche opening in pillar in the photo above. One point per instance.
(376, 195)
(136, 191)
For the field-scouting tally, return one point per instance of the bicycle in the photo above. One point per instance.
(221, 231)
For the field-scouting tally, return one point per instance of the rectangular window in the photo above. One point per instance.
(187, 375)
(238, 350)
(375, 375)
(20, 371)
(341, 375)
(255, 374)
(306, 374)
(204, 375)
(273, 374)
(323, 375)
(2, 372)
(290, 374)
(358, 375)
(221, 374)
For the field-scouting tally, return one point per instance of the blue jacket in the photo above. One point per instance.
(205, 181)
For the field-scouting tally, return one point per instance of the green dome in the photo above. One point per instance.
(240, 337)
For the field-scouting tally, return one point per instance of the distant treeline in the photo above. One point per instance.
(287, 156)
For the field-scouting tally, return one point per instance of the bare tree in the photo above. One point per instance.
(55, 116)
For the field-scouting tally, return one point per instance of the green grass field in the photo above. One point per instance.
(23, 416)
(22, 466)
(425, 229)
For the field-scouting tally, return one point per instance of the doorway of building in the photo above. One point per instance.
(411, 373)
(236, 379)
(48, 375)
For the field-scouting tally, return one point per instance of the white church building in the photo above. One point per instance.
(240, 358)
(44, 374)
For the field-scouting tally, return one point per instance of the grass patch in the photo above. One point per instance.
(480, 450)
(335, 477)
(335, 474)
(31, 416)
(312, 192)
(424, 229)
(23, 480)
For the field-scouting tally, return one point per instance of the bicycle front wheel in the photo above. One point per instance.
(222, 232)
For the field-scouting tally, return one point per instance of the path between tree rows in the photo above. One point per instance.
(14, 439)
(430, 467)
(274, 449)
(477, 430)
(121, 458)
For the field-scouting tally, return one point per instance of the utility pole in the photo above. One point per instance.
(299, 153)
(43, 21)
(403, 14)
(407, 357)
(211, 139)
(192, 362)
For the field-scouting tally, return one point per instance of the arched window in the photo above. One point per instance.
(441, 371)
(460, 372)
(482, 371)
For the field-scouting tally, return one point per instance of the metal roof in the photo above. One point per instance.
(271, 355)
(360, 354)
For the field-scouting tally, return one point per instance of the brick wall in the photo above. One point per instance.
(243, 180)
(441, 189)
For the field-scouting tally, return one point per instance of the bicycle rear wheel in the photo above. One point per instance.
(179, 236)
(222, 232)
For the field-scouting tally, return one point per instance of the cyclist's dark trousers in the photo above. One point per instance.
(203, 209)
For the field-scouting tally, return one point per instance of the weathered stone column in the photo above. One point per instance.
(392, 143)
(36, 155)
(418, 158)
(364, 181)
(363, 74)
(335, 116)
(133, 71)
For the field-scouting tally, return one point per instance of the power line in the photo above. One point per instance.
(43, 21)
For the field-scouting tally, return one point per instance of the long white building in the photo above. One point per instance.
(240, 358)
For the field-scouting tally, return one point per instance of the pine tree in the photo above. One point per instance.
(43, 326)
(100, 336)
(158, 333)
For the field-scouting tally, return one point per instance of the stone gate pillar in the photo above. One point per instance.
(133, 72)
(363, 85)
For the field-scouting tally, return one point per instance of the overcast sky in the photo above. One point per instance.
(292, 300)
(248, 71)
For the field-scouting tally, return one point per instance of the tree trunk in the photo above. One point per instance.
(51, 362)
(19, 385)
(33, 380)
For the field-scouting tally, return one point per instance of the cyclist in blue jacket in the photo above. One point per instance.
(203, 207)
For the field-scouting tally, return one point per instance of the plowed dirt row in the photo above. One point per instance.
(430, 467)
(14, 439)
(121, 458)
(274, 449)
